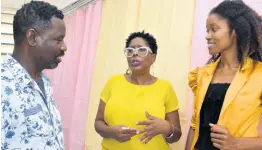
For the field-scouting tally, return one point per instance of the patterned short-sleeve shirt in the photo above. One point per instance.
(27, 122)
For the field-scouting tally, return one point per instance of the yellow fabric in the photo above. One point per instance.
(127, 103)
(242, 107)
(172, 27)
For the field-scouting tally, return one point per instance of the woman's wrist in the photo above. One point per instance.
(170, 130)
(111, 132)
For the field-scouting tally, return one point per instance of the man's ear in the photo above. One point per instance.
(31, 37)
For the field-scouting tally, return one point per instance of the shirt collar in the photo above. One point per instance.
(19, 72)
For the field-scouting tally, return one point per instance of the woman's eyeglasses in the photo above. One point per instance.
(140, 51)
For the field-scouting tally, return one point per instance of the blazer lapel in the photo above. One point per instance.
(236, 85)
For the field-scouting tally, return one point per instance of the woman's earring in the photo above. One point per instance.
(128, 71)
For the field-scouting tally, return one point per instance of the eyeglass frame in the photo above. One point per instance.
(135, 51)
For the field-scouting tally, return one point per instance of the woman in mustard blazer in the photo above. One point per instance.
(228, 90)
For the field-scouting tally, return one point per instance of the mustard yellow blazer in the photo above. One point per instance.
(242, 107)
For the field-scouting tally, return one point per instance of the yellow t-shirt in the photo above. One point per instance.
(126, 104)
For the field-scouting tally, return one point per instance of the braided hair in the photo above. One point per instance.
(248, 28)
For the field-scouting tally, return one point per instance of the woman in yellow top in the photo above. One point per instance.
(228, 90)
(138, 111)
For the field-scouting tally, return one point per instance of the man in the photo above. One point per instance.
(30, 119)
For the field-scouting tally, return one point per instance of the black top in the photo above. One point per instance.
(209, 113)
(41, 85)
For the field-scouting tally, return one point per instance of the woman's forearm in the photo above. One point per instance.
(176, 135)
(174, 125)
(249, 143)
(190, 138)
(103, 129)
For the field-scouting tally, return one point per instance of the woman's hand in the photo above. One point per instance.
(154, 126)
(221, 138)
(122, 133)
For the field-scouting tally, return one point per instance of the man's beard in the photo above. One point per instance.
(53, 65)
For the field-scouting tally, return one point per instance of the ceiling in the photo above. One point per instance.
(18, 3)
(256, 4)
